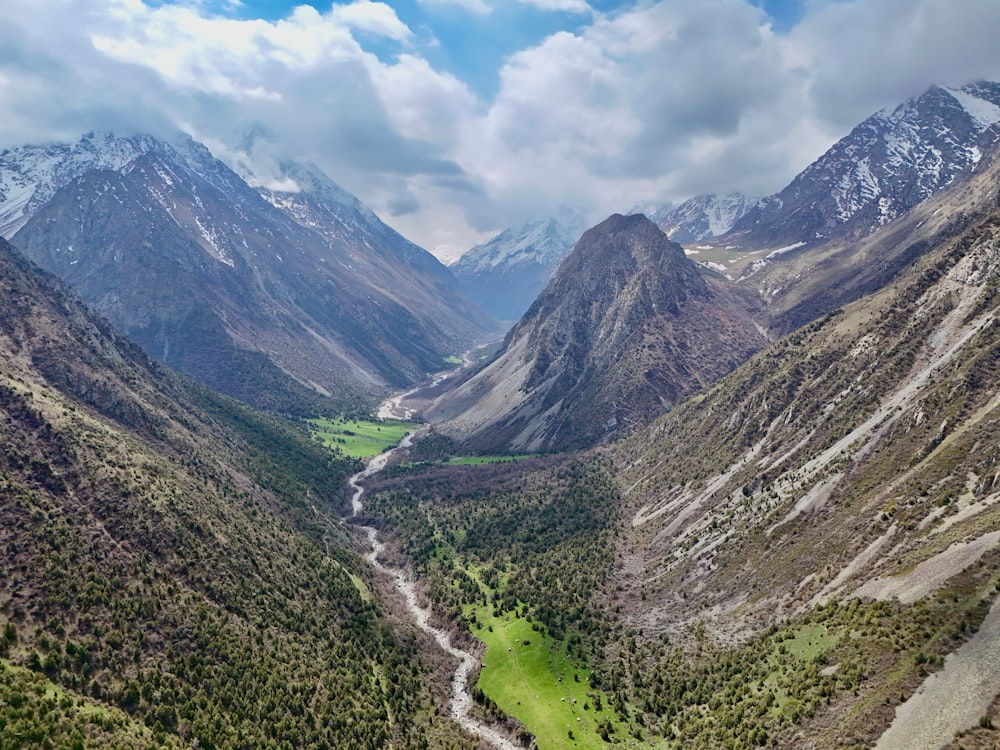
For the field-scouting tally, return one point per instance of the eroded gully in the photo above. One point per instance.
(461, 698)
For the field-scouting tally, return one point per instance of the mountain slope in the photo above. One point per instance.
(171, 561)
(209, 277)
(506, 274)
(883, 167)
(854, 458)
(801, 286)
(700, 217)
(627, 328)
(803, 554)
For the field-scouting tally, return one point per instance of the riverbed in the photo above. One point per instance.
(461, 699)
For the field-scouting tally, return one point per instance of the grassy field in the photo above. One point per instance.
(531, 677)
(359, 439)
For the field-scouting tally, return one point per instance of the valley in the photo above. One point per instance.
(743, 493)
(461, 697)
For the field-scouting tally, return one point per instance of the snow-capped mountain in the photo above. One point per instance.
(882, 168)
(698, 218)
(236, 285)
(318, 203)
(506, 274)
(30, 175)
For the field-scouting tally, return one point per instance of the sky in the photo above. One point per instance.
(454, 119)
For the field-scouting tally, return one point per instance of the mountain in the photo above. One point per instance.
(802, 286)
(700, 217)
(804, 554)
(626, 329)
(506, 274)
(845, 474)
(272, 297)
(174, 575)
(886, 165)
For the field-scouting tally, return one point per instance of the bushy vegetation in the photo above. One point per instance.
(191, 601)
(173, 573)
(37, 713)
(549, 535)
(522, 549)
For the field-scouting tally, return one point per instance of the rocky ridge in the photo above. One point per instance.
(886, 165)
(271, 297)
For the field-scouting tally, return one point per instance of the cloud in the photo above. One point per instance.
(571, 6)
(864, 54)
(373, 18)
(480, 7)
(631, 103)
(660, 99)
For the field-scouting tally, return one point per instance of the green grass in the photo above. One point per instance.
(531, 677)
(358, 438)
(478, 460)
(453, 360)
(811, 640)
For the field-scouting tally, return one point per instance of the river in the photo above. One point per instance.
(461, 698)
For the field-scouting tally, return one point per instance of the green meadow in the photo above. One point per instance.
(359, 438)
(530, 676)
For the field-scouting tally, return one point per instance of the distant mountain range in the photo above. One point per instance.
(698, 218)
(540, 392)
(506, 274)
(272, 297)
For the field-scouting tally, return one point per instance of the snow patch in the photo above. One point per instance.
(982, 112)
(783, 250)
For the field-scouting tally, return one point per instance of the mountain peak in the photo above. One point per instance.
(882, 168)
(506, 274)
(31, 174)
(273, 298)
(626, 328)
(700, 217)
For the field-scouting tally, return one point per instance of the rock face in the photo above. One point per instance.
(886, 165)
(268, 296)
(506, 274)
(626, 329)
(700, 217)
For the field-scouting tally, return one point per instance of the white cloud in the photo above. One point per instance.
(480, 7)
(664, 99)
(373, 18)
(421, 102)
(572, 6)
(864, 54)
(630, 105)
